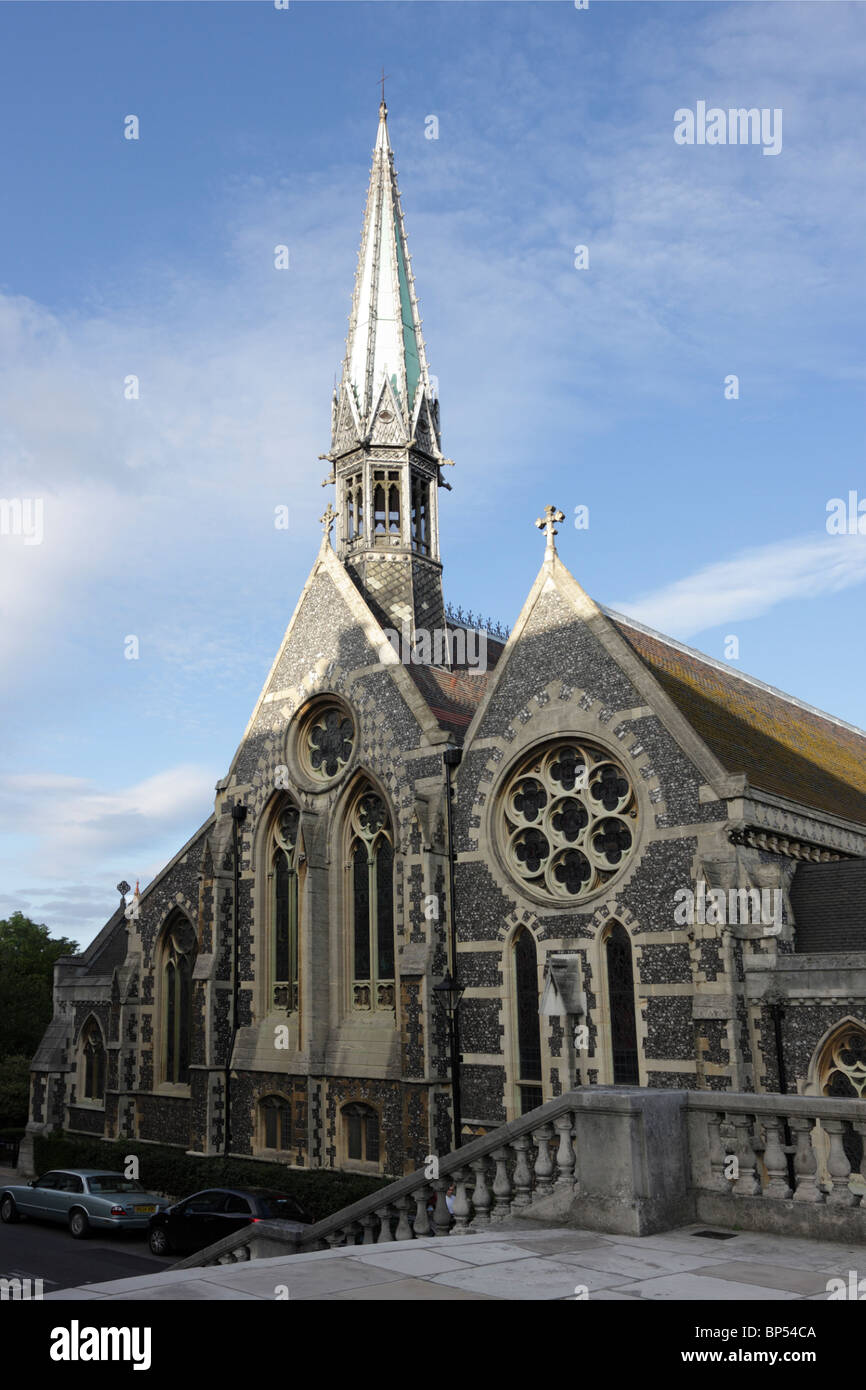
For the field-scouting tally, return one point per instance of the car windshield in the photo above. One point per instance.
(276, 1207)
(109, 1182)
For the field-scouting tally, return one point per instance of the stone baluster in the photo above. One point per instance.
(543, 1160)
(522, 1174)
(838, 1166)
(384, 1215)
(335, 1238)
(421, 1224)
(368, 1224)
(718, 1182)
(441, 1214)
(747, 1183)
(353, 1231)
(462, 1206)
(565, 1157)
(404, 1229)
(805, 1162)
(501, 1185)
(481, 1197)
(860, 1128)
(775, 1160)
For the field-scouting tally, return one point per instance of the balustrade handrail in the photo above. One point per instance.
(746, 1103)
(588, 1099)
(405, 1186)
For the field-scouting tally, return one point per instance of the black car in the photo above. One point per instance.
(208, 1216)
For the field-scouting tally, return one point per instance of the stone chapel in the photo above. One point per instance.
(580, 831)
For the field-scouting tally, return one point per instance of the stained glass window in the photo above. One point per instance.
(528, 1025)
(285, 902)
(371, 865)
(568, 820)
(94, 1062)
(179, 950)
(620, 988)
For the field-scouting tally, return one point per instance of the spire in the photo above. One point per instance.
(384, 342)
(386, 457)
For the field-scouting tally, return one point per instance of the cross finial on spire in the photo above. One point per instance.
(547, 523)
(327, 519)
(382, 80)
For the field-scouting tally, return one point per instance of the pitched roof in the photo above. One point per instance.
(781, 745)
(453, 696)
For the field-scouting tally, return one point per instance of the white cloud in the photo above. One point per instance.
(751, 583)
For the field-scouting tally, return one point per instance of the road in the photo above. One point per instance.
(48, 1252)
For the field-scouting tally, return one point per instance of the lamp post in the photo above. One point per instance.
(448, 995)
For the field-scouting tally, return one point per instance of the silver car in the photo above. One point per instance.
(84, 1199)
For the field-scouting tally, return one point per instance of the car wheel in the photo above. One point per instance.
(159, 1242)
(79, 1224)
(8, 1210)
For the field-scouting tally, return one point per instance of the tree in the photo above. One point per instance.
(27, 956)
(14, 1091)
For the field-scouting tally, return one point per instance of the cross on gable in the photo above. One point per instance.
(547, 523)
(327, 519)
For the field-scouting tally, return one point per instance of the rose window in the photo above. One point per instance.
(329, 739)
(568, 820)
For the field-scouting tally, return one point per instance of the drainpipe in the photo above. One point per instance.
(239, 815)
(452, 758)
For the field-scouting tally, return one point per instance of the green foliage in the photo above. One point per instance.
(14, 1090)
(27, 956)
(173, 1173)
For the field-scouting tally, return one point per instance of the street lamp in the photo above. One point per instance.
(448, 995)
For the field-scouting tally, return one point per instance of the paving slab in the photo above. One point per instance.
(802, 1281)
(303, 1279)
(417, 1289)
(557, 1241)
(534, 1278)
(192, 1289)
(637, 1264)
(404, 1260)
(702, 1288)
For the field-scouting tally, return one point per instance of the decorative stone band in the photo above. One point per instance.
(783, 844)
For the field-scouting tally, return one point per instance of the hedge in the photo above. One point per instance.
(172, 1173)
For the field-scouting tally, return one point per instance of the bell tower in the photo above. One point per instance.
(385, 445)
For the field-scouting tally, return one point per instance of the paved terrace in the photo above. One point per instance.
(521, 1261)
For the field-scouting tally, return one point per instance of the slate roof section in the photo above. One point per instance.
(453, 696)
(829, 905)
(781, 745)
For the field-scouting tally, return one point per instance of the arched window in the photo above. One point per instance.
(361, 1133)
(394, 508)
(842, 1068)
(92, 1071)
(379, 509)
(275, 1120)
(620, 994)
(420, 521)
(284, 909)
(371, 895)
(178, 958)
(529, 1088)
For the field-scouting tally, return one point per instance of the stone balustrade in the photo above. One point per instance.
(618, 1159)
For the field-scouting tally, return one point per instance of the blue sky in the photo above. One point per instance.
(602, 387)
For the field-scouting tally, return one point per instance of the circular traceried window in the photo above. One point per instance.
(327, 741)
(568, 820)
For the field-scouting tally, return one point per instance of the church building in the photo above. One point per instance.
(640, 866)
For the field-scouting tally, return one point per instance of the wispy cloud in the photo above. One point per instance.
(751, 583)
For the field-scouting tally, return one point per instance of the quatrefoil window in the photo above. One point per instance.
(568, 820)
(328, 740)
